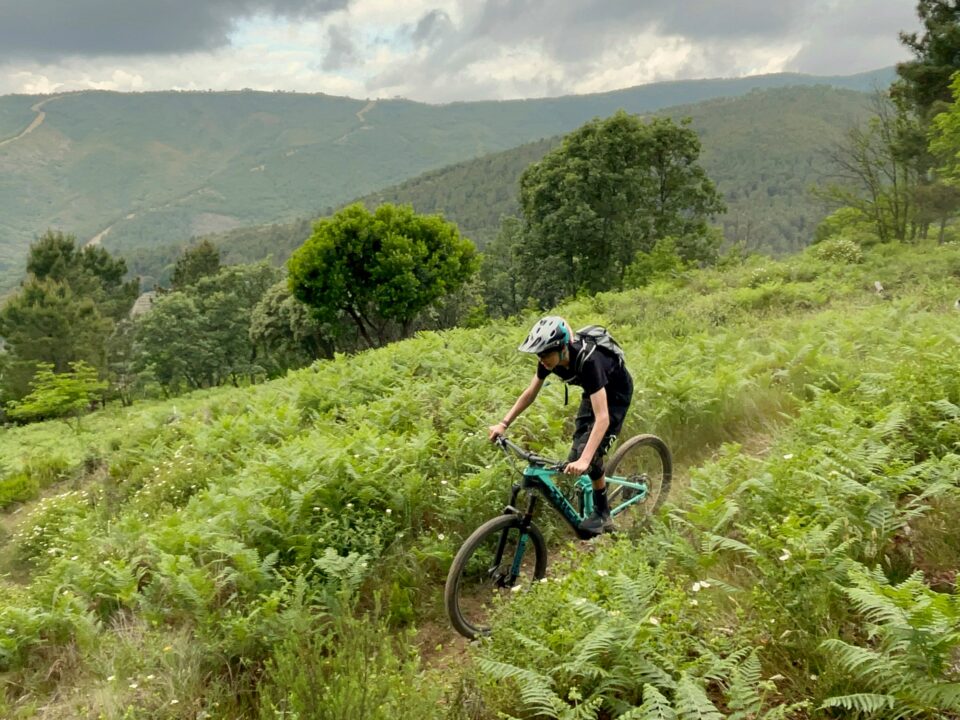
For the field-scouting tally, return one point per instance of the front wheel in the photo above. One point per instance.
(643, 460)
(496, 560)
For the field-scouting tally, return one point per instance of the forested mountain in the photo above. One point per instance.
(140, 170)
(764, 150)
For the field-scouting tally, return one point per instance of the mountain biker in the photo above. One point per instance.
(607, 391)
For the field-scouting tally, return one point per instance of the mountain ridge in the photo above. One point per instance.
(161, 167)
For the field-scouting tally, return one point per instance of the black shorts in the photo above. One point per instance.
(581, 433)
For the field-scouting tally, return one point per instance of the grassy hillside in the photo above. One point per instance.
(194, 556)
(137, 170)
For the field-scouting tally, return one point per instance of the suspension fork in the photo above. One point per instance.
(525, 522)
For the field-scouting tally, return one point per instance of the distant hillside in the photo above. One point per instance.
(763, 150)
(138, 170)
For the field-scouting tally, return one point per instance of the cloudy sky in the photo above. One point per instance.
(435, 50)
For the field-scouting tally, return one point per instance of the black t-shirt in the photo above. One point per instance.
(599, 370)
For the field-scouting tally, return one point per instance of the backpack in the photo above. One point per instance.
(597, 336)
(593, 337)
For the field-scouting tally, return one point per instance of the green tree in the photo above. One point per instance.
(661, 261)
(876, 174)
(613, 187)
(286, 333)
(924, 82)
(505, 280)
(195, 262)
(200, 337)
(46, 322)
(380, 268)
(59, 395)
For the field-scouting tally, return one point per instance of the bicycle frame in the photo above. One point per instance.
(538, 477)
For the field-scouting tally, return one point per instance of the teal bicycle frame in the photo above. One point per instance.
(538, 481)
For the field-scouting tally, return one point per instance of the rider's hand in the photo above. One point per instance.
(577, 467)
(495, 431)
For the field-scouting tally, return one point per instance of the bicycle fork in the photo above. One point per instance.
(525, 523)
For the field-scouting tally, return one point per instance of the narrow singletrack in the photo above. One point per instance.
(37, 121)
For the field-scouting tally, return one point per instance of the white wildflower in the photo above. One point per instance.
(704, 584)
(785, 556)
(349, 506)
(111, 678)
(389, 511)
(441, 536)
(695, 587)
(653, 620)
(150, 677)
(515, 588)
(694, 602)
(174, 702)
(443, 482)
(788, 456)
(602, 573)
(133, 686)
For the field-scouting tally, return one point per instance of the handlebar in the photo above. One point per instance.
(530, 457)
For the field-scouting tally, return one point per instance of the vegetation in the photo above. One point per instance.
(212, 550)
(178, 165)
(64, 312)
(379, 268)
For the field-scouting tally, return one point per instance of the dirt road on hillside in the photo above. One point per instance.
(37, 121)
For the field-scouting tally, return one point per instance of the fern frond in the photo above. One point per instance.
(692, 703)
(536, 691)
(539, 649)
(943, 696)
(596, 644)
(635, 594)
(867, 703)
(655, 707)
(711, 543)
(743, 696)
(875, 668)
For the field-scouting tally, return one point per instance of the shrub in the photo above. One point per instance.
(838, 250)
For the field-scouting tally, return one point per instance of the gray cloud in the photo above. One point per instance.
(341, 50)
(835, 36)
(46, 30)
(435, 24)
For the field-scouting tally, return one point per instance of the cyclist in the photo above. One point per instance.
(607, 391)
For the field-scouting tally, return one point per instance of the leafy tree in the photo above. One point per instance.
(196, 262)
(286, 333)
(614, 187)
(924, 82)
(876, 175)
(381, 267)
(505, 280)
(56, 395)
(201, 336)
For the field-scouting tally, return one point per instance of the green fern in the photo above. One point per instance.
(655, 707)
(864, 703)
(743, 696)
(692, 703)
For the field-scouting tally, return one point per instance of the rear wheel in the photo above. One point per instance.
(646, 460)
(482, 573)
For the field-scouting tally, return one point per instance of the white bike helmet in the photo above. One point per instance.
(550, 333)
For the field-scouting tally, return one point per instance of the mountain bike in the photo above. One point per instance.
(508, 553)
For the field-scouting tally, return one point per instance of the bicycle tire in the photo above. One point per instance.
(662, 477)
(470, 627)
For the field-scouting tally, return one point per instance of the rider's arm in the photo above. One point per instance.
(598, 402)
(523, 402)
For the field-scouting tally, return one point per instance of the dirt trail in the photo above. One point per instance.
(363, 122)
(37, 121)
